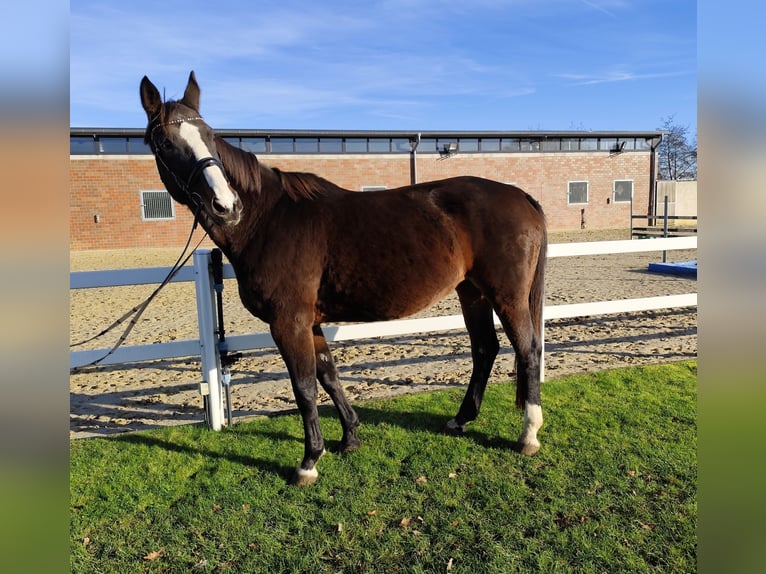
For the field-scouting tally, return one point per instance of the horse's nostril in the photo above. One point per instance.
(217, 207)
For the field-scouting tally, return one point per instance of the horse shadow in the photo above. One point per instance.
(413, 420)
(266, 465)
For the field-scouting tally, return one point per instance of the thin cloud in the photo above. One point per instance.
(615, 76)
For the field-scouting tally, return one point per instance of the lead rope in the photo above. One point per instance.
(138, 310)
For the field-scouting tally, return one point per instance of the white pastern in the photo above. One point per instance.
(213, 174)
(533, 420)
(453, 426)
(307, 474)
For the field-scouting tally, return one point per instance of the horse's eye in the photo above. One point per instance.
(166, 145)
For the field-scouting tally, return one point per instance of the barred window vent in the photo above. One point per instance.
(156, 205)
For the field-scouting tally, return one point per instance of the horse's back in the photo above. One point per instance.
(394, 252)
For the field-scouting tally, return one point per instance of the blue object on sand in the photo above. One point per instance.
(678, 268)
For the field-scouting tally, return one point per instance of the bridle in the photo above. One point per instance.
(193, 198)
(135, 313)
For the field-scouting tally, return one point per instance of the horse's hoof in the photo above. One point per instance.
(453, 429)
(529, 448)
(303, 477)
(349, 445)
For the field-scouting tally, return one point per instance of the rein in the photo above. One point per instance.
(194, 200)
(135, 313)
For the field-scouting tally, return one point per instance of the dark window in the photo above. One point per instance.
(281, 145)
(137, 145)
(330, 145)
(490, 144)
(253, 145)
(380, 145)
(510, 144)
(578, 192)
(427, 145)
(607, 144)
(109, 145)
(82, 145)
(529, 145)
(642, 144)
(156, 205)
(630, 144)
(468, 144)
(623, 190)
(400, 145)
(570, 144)
(306, 145)
(552, 144)
(588, 144)
(356, 145)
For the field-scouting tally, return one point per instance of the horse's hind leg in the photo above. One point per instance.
(517, 323)
(477, 312)
(327, 375)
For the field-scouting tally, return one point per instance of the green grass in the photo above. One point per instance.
(612, 490)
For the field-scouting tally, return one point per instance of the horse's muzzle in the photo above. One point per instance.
(226, 215)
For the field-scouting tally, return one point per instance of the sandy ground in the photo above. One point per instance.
(121, 398)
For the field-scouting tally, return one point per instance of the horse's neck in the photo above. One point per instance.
(257, 204)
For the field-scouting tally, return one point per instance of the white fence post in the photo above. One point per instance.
(206, 318)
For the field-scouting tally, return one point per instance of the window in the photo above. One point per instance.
(529, 145)
(570, 144)
(330, 145)
(401, 145)
(380, 145)
(281, 145)
(109, 145)
(156, 205)
(490, 144)
(468, 144)
(578, 192)
(137, 145)
(373, 187)
(511, 144)
(306, 145)
(552, 144)
(356, 145)
(623, 190)
(81, 145)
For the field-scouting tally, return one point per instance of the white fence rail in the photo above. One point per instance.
(206, 346)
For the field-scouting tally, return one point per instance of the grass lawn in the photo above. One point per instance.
(613, 488)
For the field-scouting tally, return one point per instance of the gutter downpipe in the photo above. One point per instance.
(652, 208)
(414, 143)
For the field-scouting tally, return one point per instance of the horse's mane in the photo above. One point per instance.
(299, 185)
(242, 167)
(244, 171)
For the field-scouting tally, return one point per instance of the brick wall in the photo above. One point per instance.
(109, 187)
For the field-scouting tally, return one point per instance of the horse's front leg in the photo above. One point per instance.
(295, 341)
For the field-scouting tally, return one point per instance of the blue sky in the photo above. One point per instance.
(391, 64)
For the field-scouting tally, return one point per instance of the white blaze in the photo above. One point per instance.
(213, 174)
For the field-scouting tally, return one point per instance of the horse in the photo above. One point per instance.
(306, 251)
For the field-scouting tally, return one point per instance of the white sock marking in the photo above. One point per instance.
(533, 420)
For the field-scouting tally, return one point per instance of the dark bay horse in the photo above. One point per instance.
(306, 251)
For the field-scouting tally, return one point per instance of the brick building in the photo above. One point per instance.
(118, 201)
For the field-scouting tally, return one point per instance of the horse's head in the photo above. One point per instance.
(187, 160)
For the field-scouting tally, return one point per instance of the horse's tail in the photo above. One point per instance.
(536, 303)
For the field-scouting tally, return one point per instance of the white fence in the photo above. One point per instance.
(206, 347)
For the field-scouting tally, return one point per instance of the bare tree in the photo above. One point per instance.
(677, 156)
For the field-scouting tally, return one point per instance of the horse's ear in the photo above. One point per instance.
(191, 94)
(150, 98)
